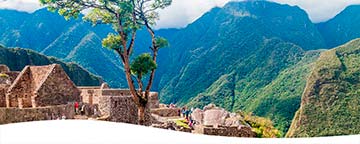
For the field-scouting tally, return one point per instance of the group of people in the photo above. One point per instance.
(186, 113)
(80, 107)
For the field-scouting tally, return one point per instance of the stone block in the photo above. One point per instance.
(166, 112)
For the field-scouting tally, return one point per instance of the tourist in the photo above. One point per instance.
(183, 112)
(191, 122)
(76, 105)
(82, 109)
(187, 113)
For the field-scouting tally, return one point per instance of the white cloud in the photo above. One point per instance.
(183, 12)
(320, 10)
(21, 5)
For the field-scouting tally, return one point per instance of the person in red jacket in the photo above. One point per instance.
(76, 107)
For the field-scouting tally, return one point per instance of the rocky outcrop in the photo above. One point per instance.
(214, 120)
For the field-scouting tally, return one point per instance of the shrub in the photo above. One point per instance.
(263, 127)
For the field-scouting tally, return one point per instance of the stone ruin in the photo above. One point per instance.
(41, 86)
(212, 120)
(116, 105)
(39, 92)
(36, 93)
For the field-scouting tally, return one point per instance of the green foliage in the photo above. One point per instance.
(96, 14)
(126, 17)
(161, 42)
(263, 127)
(269, 83)
(112, 42)
(2, 75)
(142, 64)
(182, 123)
(331, 102)
(342, 28)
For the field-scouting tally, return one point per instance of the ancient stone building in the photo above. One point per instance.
(116, 104)
(40, 86)
(6, 79)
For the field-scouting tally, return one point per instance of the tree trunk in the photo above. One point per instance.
(141, 115)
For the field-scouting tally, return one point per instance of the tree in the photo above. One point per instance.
(126, 17)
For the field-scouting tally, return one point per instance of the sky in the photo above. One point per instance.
(183, 12)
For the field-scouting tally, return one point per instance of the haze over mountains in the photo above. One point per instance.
(252, 56)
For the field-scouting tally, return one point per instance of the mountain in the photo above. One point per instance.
(16, 59)
(223, 39)
(342, 28)
(71, 41)
(252, 55)
(330, 103)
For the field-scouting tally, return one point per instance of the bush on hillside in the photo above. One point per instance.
(263, 127)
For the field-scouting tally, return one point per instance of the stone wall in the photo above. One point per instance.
(153, 100)
(166, 112)
(57, 89)
(90, 95)
(14, 115)
(119, 108)
(115, 92)
(241, 131)
(20, 87)
(12, 75)
(3, 89)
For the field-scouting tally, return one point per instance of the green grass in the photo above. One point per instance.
(182, 123)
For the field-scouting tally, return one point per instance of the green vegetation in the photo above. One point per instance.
(342, 28)
(280, 99)
(69, 41)
(254, 55)
(126, 18)
(331, 103)
(263, 127)
(182, 123)
(2, 75)
(16, 59)
(272, 87)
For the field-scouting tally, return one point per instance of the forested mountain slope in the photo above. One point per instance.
(16, 59)
(330, 103)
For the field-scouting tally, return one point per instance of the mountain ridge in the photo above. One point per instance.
(17, 58)
(237, 56)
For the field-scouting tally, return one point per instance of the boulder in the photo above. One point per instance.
(197, 115)
(4, 69)
(215, 117)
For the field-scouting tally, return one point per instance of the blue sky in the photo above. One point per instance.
(183, 12)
